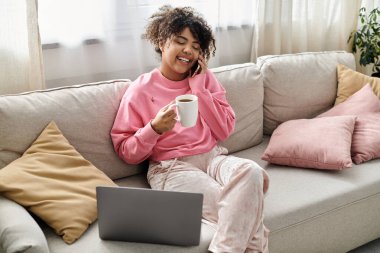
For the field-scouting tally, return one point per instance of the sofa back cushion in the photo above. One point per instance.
(299, 85)
(245, 93)
(84, 113)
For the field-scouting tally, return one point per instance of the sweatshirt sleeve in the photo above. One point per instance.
(132, 140)
(213, 105)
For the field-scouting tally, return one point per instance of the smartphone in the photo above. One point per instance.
(195, 69)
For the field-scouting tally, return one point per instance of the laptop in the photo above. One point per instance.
(149, 216)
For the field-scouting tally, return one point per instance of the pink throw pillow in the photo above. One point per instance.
(366, 137)
(361, 102)
(321, 143)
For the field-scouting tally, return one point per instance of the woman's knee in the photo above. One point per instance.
(254, 174)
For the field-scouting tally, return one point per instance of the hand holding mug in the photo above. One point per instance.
(187, 109)
(165, 119)
(187, 114)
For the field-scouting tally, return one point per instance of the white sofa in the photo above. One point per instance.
(306, 210)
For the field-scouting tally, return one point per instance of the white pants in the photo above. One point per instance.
(233, 196)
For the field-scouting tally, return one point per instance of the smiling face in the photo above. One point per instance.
(179, 54)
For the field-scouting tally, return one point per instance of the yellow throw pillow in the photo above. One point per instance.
(350, 81)
(53, 181)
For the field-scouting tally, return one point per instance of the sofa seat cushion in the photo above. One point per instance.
(296, 196)
(298, 205)
(90, 242)
(138, 181)
(84, 113)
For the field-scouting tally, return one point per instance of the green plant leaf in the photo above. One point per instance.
(366, 39)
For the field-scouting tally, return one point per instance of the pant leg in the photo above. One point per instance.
(187, 177)
(240, 210)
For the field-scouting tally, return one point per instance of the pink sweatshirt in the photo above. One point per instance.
(135, 140)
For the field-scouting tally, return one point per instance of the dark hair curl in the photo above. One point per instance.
(169, 21)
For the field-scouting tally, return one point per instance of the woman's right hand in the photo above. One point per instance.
(165, 119)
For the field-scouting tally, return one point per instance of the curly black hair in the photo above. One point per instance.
(169, 21)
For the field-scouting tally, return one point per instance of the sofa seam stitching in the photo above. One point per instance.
(324, 213)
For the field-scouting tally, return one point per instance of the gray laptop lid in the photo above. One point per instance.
(150, 216)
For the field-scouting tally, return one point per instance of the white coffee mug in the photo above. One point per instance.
(187, 109)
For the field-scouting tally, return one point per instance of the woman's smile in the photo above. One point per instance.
(178, 55)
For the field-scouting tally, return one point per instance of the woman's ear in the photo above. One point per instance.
(161, 45)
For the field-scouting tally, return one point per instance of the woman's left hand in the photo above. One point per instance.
(203, 64)
(201, 68)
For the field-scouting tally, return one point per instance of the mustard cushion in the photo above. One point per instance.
(350, 81)
(53, 181)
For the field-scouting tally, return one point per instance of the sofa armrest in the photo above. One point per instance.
(19, 232)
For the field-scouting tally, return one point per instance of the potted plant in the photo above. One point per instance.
(366, 39)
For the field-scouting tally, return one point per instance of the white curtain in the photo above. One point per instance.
(93, 40)
(292, 26)
(20, 48)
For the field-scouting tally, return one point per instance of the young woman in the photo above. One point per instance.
(189, 159)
